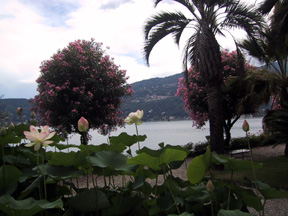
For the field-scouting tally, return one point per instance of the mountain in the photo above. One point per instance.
(155, 96)
(10, 105)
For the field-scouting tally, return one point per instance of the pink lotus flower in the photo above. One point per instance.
(38, 139)
(19, 111)
(134, 117)
(245, 126)
(83, 124)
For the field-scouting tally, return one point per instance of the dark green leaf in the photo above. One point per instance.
(167, 156)
(26, 207)
(126, 139)
(271, 193)
(197, 169)
(20, 128)
(111, 160)
(63, 146)
(60, 173)
(89, 201)
(9, 176)
(31, 188)
(165, 202)
(183, 214)
(124, 205)
(9, 137)
(248, 197)
(75, 159)
(103, 147)
(237, 212)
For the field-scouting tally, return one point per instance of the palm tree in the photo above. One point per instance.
(208, 19)
(276, 125)
(279, 17)
(272, 49)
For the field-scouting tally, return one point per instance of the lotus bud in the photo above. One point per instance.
(12, 126)
(3, 131)
(245, 126)
(210, 186)
(32, 116)
(83, 124)
(19, 111)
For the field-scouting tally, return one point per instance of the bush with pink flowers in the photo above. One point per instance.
(194, 92)
(81, 80)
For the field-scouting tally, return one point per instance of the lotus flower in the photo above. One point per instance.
(210, 186)
(83, 125)
(245, 126)
(19, 111)
(38, 139)
(134, 117)
(3, 131)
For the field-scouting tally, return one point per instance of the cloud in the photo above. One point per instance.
(113, 4)
(32, 31)
(54, 12)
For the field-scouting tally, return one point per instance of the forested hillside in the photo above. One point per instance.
(10, 105)
(155, 96)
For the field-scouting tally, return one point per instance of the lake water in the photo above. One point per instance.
(172, 132)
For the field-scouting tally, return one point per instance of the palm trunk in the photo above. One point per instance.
(215, 114)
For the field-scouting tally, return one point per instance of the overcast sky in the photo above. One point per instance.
(33, 30)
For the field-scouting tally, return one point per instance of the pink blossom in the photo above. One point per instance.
(37, 139)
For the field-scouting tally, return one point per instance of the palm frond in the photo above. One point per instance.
(267, 5)
(275, 123)
(244, 17)
(191, 50)
(255, 49)
(161, 25)
(260, 85)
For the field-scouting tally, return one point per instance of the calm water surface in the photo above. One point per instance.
(173, 132)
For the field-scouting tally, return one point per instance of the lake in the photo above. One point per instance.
(172, 132)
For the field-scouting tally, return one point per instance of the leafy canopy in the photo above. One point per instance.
(81, 80)
(195, 93)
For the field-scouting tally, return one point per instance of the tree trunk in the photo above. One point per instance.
(227, 132)
(216, 120)
(286, 150)
(228, 124)
(227, 138)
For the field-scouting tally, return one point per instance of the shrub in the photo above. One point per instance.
(81, 80)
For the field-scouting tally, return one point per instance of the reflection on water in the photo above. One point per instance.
(173, 132)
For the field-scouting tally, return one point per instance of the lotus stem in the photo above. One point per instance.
(229, 192)
(253, 170)
(137, 136)
(38, 169)
(4, 183)
(43, 168)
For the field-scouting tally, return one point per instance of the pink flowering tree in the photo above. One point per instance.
(81, 80)
(193, 91)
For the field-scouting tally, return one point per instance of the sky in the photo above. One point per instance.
(31, 31)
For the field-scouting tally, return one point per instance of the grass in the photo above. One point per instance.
(274, 172)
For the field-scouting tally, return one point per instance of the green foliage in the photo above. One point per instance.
(198, 167)
(84, 78)
(28, 187)
(27, 206)
(274, 172)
